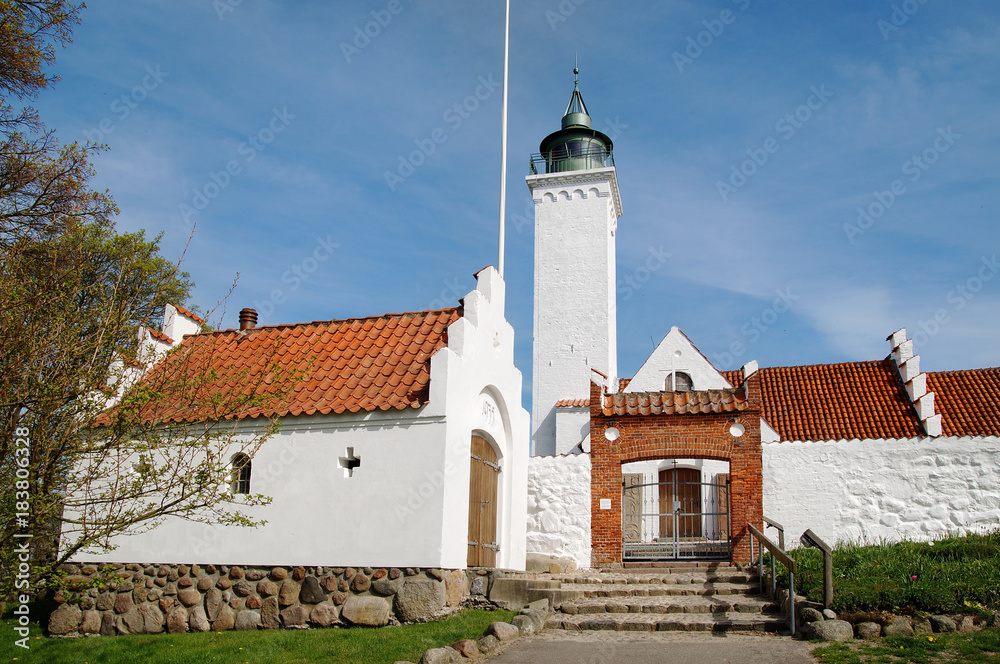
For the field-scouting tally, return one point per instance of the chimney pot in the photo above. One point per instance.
(248, 319)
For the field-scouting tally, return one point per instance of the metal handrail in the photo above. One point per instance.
(783, 558)
(543, 163)
(781, 531)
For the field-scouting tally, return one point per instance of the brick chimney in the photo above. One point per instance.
(908, 367)
(248, 319)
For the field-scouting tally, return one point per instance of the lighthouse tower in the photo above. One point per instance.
(577, 206)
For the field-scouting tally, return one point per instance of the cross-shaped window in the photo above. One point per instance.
(350, 462)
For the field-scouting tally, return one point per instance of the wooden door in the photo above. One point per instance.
(680, 488)
(484, 471)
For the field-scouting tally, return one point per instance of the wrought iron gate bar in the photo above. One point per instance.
(698, 527)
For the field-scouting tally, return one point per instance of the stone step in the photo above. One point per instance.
(662, 605)
(652, 579)
(664, 590)
(670, 564)
(689, 622)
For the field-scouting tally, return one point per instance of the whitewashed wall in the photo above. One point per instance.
(559, 507)
(871, 490)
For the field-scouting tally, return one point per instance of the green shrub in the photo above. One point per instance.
(944, 576)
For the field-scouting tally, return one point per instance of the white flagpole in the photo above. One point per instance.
(503, 140)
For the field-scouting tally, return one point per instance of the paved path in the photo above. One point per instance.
(558, 647)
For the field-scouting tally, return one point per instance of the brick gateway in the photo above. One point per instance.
(662, 425)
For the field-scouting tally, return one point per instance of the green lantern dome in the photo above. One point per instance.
(577, 146)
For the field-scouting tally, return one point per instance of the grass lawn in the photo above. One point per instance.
(365, 646)
(973, 647)
(950, 575)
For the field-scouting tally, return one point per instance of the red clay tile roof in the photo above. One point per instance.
(193, 316)
(357, 364)
(735, 376)
(837, 402)
(160, 336)
(969, 401)
(573, 403)
(674, 403)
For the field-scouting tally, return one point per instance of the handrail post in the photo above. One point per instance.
(809, 538)
(791, 602)
(760, 564)
(774, 580)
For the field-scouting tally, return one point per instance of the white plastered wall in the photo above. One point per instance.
(572, 427)
(870, 490)
(559, 507)
(407, 504)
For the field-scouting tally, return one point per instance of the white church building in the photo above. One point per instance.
(406, 444)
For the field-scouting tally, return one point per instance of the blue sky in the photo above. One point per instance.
(749, 136)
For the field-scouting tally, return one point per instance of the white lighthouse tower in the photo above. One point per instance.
(577, 206)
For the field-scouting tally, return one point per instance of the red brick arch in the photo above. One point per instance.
(649, 437)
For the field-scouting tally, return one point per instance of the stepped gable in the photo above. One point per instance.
(351, 365)
(969, 401)
(853, 400)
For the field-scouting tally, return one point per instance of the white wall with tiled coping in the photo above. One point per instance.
(845, 491)
(872, 490)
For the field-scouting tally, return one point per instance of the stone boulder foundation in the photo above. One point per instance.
(247, 621)
(65, 620)
(366, 611)
(419, 599)
(829, 630)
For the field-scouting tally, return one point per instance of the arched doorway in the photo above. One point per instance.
(484, 475)
(675, 509)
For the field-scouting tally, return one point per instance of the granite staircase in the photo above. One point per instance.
(684, 596)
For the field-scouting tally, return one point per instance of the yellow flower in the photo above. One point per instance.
(931, 639)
